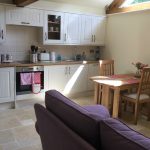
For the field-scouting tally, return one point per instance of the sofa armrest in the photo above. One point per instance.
(55, 134)
(99, 110)
(120, 136)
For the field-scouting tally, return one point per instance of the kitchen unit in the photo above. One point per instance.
(73, 29)
(57, 28)
(2, 24)
(72, 23)
(92, 30)
(68, 79)
(93, 70)
(53, 27)
(24, 16)
(7, 84)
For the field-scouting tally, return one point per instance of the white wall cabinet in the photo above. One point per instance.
(53, 28)
(72, 28)
(92, 30)
(6, 85)
(68, 79)
(24, 16)
(2, 24)
(93, 70)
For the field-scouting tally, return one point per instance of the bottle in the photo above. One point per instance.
(83, 56)
(53, 56)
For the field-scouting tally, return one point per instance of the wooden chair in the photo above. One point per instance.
(143, 94)
(106, 69)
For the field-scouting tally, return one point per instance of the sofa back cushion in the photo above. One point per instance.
(55, 135)
(81, 121)
(120, 136)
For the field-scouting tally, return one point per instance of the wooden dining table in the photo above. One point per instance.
(117, 83)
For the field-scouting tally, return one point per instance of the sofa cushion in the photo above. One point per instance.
(83, 122)
(120, 136)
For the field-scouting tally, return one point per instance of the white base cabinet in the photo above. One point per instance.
(67, 79)
(93, 70)
(7, 85)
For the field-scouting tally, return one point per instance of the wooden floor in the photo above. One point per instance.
(17, 131)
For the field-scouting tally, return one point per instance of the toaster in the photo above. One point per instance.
(44, 57)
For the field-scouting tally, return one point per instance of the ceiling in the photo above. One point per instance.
(88, 3)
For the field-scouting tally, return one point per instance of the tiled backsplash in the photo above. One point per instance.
(20, 38)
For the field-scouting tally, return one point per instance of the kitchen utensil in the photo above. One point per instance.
(44, 57)
(33, 58)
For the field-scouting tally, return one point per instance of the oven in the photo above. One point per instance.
(27, 88)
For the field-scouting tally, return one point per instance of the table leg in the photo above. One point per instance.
(105, 96)
(116, 102)
(96, 93)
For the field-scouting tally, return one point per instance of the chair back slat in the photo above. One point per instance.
(106, 67)
(144, 85)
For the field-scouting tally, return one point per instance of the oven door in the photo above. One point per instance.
(26, 89)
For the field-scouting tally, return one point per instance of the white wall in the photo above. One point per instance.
(68, 7)
(128, 40)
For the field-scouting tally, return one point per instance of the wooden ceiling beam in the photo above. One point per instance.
(136, 7)
(22, 3)
(116, 4)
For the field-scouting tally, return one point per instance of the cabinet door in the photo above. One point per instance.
(86, 27)
(71, 28)
(6, 84)
(2, 24)
(98, 27)
(93, 70)
(24, 16)
(57, 78)
(53, 27)
(77, 78)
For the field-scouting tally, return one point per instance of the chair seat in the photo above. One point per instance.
(134, 95)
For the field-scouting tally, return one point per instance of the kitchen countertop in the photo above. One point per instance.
(48, 63)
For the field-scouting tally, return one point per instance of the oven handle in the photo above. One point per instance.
(29, 69)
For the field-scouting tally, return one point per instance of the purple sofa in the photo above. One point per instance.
(64, 125)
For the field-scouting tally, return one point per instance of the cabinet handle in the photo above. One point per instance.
(65, 37)
(25, 23)
(45, 36)
(94, 38)
(69, 70)
(2, 35)
(66, 70)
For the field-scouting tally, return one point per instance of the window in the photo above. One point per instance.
(132, 2)
(139, 1)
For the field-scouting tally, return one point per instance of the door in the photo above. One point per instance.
(71, 28)
(93, 70)
(2, 24)
(86, 27)
(24, 16)
(78, 78)
(98, 27)
(57, 77)
(53, 28)
(6, 85)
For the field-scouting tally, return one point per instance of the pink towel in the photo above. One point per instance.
(36, 78)
(26, 78)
